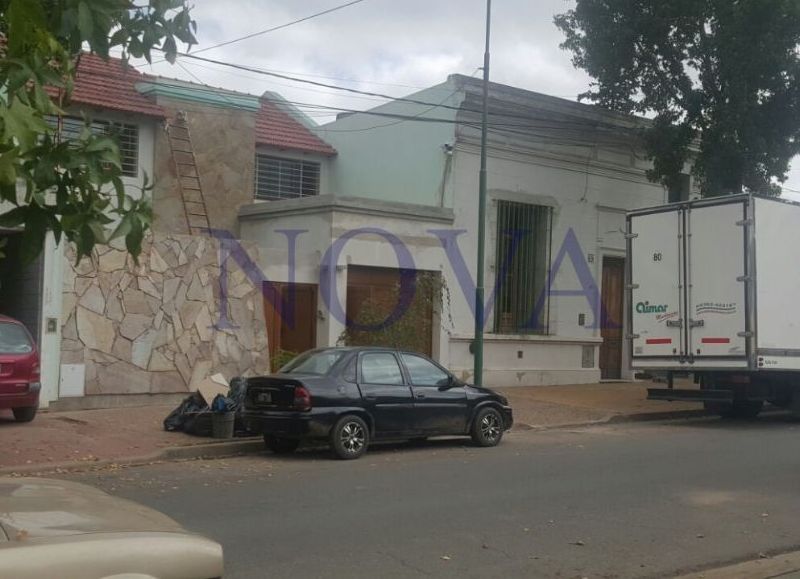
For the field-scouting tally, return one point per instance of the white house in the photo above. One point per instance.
(405, 183)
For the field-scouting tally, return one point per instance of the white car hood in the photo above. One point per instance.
(33, 508)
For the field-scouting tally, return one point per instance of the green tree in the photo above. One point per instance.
(71, 187)
(720, 77)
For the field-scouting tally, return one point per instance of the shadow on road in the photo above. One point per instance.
(769, 420)
(381, 449)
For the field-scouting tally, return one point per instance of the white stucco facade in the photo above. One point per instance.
(571, 161)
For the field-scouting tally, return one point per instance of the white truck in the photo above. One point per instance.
(713, 290)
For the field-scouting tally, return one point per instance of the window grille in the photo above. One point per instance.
(522, 264)
(125, 134)
(278, 178)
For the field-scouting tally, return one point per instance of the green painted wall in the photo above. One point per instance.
(392, 160)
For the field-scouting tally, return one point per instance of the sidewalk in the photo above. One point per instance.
(124, 435)
(54, 439)
(549, 406)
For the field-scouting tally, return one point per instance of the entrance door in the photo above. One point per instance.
(373, 293)
(611, 318)
(293, 331)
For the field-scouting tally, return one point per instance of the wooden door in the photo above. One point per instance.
(611, 318)
(378, 287)
(294, 331)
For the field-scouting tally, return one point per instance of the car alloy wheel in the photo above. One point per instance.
(353, 437)
(487, 427)
(490, 427)
(350, 437)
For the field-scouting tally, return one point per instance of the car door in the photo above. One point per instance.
(440, 407)
(387, 396)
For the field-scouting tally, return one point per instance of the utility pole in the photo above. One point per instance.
(479, 286)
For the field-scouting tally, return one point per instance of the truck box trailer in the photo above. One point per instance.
(713, 289)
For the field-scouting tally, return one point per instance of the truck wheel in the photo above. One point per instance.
(746, 409)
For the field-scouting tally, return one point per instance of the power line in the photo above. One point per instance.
(559, 124)
(280, 27)
(567, 136)
(342, 79)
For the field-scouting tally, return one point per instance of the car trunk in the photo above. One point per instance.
(272, 392)
(18, 359)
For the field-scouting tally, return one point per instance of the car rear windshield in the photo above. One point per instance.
(14, 339)
(313, 362)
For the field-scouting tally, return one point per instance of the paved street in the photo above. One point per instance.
(633, 500)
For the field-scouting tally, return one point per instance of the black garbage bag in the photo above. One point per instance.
(177, 419)
(193, 415)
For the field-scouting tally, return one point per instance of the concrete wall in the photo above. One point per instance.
(391, 160)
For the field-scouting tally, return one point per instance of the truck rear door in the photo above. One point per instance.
(716, 259)
(656, 262)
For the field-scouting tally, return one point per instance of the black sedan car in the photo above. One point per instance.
(352, 396)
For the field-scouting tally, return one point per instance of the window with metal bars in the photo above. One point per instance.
(278, 178)
(522, 263)
(126, 135)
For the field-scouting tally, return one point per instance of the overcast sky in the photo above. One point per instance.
(387, 46)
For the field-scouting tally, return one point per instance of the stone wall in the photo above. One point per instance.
(223, 140)
(150, 328)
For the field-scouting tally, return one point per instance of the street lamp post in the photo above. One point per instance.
(479, 286)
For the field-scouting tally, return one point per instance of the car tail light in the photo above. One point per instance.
(35, 371)
(302, 398)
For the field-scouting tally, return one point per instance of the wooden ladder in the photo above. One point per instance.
(194, 206)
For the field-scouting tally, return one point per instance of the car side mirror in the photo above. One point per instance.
(449, 382)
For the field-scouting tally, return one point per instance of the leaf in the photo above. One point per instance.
(170, 49)
(85, 21)
(123, 229)
(133, 240)
(13, 218)
(8, 172)
(22, 123)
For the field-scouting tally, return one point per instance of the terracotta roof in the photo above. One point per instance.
(111, 85)
(276, 128)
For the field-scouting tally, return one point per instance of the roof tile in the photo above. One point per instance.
(111, 85)
(276, 128)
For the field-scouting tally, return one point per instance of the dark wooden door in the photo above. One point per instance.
(294, 331)
(611, 318)
(377, 290)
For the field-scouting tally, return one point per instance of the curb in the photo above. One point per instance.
(766, 566)
(171, 453)
(617, 419)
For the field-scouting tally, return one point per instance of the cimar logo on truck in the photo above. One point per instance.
(646, 308)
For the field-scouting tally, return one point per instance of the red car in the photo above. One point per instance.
(19, 370)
